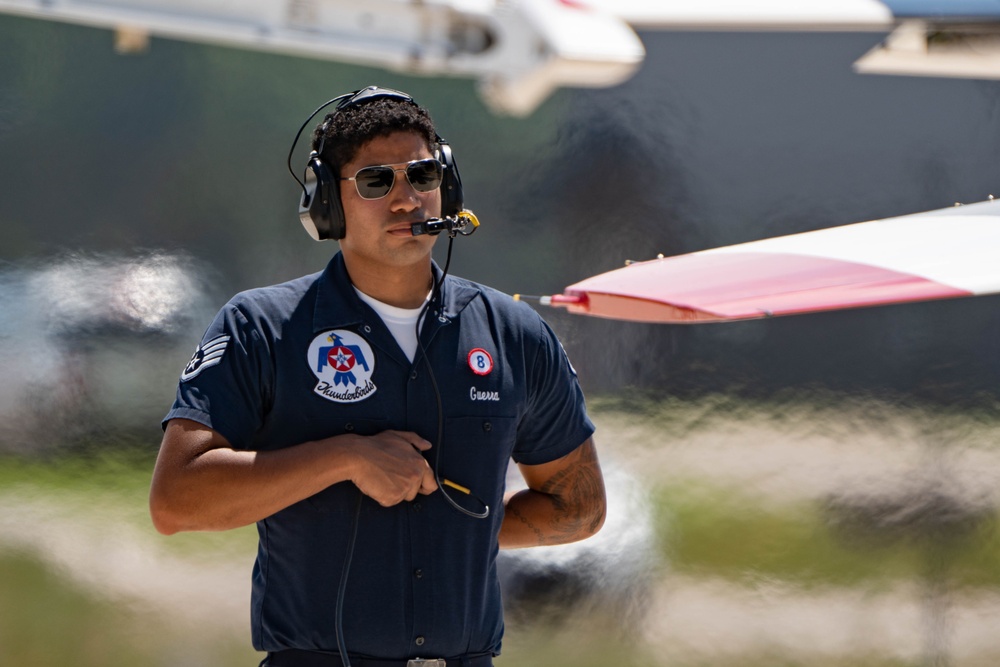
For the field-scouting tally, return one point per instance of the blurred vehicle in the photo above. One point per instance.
(74, 334)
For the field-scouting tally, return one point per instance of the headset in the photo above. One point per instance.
(320, 209)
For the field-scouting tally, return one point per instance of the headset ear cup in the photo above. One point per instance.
(334, 208)
(452, 196)
(320, 209)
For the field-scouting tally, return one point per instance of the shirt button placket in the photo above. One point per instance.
(419, 405)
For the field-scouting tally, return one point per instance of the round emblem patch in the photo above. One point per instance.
(480, 361)
(344, 363)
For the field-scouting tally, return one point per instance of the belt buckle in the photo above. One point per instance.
(423, 662)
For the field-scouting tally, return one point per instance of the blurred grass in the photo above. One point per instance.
(705, 530)
(114, 486)
(119, 473)
(708, 529)
(47, 621)
(804, 412)
(44, 621)
(714, 531)
(590, 644)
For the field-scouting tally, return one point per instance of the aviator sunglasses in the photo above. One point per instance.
(376, 181)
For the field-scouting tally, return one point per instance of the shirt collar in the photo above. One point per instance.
(338, 306)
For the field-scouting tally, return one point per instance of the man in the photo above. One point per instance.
(373, 462)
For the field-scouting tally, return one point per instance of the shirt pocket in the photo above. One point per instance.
(475, 453)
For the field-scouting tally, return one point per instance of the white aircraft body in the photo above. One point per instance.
(519, 51)
(522, 50)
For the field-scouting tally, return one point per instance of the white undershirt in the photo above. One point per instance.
(402, 322)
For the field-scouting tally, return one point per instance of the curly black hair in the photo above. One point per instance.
(343, 132)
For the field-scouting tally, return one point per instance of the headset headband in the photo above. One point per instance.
(344, 101)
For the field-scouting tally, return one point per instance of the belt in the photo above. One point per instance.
(300, 658)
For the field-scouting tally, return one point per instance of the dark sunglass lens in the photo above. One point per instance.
(374, 182)
(424, 175)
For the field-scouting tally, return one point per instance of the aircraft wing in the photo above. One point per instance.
(959, 38)
(518, 50)
(521, 50)
(793, 14)
(757, 15)
(939, 254)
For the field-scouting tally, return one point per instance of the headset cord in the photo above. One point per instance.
(339, 611)
(338, 614)
(438, 446)
(322, 138)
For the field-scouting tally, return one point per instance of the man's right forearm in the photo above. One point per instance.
(201, 483)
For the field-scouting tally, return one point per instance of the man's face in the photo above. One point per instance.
(378, 230)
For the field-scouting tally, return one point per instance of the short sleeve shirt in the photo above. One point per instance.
(306, 360)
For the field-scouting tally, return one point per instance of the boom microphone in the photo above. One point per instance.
(465, 223)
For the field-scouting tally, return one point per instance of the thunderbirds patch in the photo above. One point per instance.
(207, 355)
(344, 363)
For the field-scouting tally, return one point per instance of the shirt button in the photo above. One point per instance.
(417, 507)
(418, 573)
(348, 427)
(487, 427)
(413, 375)
(419, 641)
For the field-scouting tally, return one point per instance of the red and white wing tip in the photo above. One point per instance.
(939, 254)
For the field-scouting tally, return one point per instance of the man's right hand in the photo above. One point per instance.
(390, 467)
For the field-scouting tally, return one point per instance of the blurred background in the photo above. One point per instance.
(815, 490)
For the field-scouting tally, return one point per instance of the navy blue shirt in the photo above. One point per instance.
(308, 359)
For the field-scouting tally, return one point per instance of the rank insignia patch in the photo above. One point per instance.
(207, 355)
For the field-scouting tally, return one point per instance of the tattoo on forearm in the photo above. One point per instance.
(577, 494)
(527, 522)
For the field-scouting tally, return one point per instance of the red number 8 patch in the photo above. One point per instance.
(480, 361)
